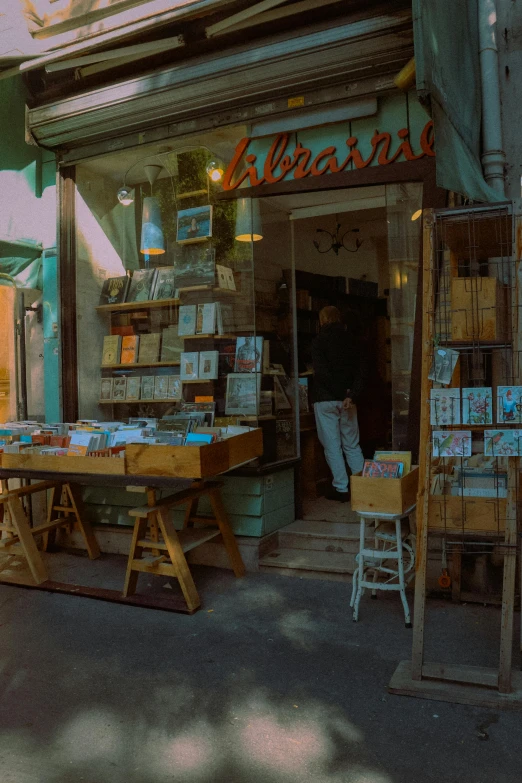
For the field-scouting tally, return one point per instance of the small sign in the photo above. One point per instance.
(296, 103)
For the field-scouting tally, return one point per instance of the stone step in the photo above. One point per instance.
(322, 536)
(311, 564)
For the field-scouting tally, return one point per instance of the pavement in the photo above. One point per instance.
(270, 682)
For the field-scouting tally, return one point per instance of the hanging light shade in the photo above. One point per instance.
(248, 221)
(152, 241)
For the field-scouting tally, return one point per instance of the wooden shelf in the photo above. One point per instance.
(201, 380)
(130, 306)
(209, 336)
(196, 288)
(129, 402)
(134, 365)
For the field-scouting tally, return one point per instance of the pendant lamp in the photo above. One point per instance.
(248, 221)
(152, 241)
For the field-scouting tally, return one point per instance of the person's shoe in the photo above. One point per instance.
(341, 497)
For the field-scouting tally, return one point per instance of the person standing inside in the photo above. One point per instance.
(338, 382)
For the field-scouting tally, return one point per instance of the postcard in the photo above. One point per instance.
(194, 225)
(509, 404)
(477, 405)
(452, 444)
(444, 362)
(444, 407)
(242, 394)
(503, 443)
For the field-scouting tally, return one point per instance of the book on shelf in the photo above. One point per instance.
(249, 354)
(165, 284)
(161, 387)
(221, 276)
(141, 285)
(285, 439)
(171, 345)
(147, 387)
(382, 469)
(149, 348)
(206, 409)
(111, 349)
(208, 365)
(231, 281)
(199, 438)
(206, 318)
(129, 349)
(119, 389)
(189, 366)
(133, 387)
(395, 456)
(242, 394)
(114, 290)
(106, 389)
(187, 320)
(80, 444)
(175, 389)
(282, 403)
(195, 265)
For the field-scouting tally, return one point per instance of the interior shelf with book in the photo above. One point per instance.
(167, 315)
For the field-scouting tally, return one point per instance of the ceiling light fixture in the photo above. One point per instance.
(328, 241)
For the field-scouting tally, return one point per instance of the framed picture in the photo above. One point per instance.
(194, 265)
(133, 387)
(194, 225)
(189, 366)
(106, 389)
(119, 389)
(208, 364)
(249, 354)
(175, 387)
(243, 391)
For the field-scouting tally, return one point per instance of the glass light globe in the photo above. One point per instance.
(125, 195)
(215, 170)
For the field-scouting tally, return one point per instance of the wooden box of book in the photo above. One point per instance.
(245, 447)
(454, 514)
(384, 495)
(479, 309)
(114, 466)
(177, 461)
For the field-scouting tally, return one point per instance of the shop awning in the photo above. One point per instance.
(357, 49)
(448, 83)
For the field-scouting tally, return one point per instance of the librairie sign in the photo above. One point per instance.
(281, 162)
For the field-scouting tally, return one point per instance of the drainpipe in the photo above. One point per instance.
(493, 155)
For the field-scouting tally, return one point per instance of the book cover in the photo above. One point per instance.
(282, 403)
(147, 387)
(227, 357)
(133, 387)
(382, 469)
(174, 387)
(509, 404)
(205, 409)
(208, 365)
(198, 438)
(171, 345)
(165, 285)
(141, 285)
(80, 444)
(149, 348)
(444, 407)
(189, 366)
(119, 389)
(114, 290)
(106, 389)
(208, 318)
(444, 363)
(452, 444)
(199, 319)
(129, 349)
(111, 349)
(161, 387)
(195, 265)
(194, 225)
(503, 443)
(249, 353)
(395, 456)
(221, 276)
(477, 405)
(242, 394)
(285, 439)
(231, 281)
(187, 320)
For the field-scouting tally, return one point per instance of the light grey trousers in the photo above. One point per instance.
(338, 432)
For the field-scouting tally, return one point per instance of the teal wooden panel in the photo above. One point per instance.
(392, 115)
(278, 519)
(238, 485)
(279, 496)
(317, 139)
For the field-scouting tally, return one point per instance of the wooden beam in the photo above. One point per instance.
(247, 13)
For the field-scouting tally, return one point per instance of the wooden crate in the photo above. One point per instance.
(479, 309)
(243, 448)
(484, 515)
(177, 461)
(389, 496)
(114, 466)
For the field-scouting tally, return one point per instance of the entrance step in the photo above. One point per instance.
(309, 563)
(322, 536)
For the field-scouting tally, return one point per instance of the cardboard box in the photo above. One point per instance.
(388, 496)
(479, 309)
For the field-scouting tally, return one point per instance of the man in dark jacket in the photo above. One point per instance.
(337, 385)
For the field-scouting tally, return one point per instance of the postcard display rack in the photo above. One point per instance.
(471, 432)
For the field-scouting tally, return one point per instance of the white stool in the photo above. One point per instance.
(392, 539)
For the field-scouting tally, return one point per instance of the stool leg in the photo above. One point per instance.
(354, 585)
(400, 568)
(377, 546)
(178, 560)
(362, 531)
